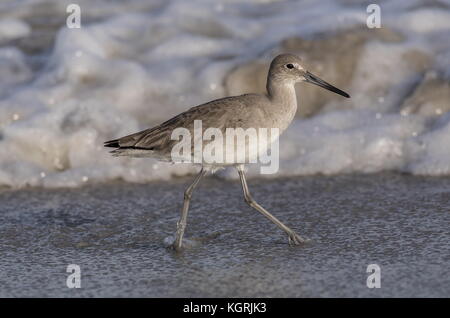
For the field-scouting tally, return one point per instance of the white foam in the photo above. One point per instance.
(11, 28)
(14, 69)
(425, 21)
(143, 62)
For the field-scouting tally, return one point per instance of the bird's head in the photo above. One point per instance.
(288, 68)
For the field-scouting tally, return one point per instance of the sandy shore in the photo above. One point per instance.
(116, 232)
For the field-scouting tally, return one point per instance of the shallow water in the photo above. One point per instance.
(116, 233)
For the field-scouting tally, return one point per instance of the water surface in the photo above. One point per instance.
(116, 233)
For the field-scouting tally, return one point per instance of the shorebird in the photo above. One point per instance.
(275, 109)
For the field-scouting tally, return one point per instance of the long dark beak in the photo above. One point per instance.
(311, 78)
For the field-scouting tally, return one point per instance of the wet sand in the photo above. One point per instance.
(116, 233)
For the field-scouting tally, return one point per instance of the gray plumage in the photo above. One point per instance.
(275, 109)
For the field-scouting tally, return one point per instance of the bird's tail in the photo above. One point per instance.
(112, 143)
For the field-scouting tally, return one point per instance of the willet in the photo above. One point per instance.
(275, 109)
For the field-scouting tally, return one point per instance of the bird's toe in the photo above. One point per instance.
(295, 239)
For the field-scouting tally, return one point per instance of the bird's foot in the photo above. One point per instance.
(177, 247)
(173, 243)
(295, 239)
(181, 245)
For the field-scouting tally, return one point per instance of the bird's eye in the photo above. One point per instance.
(290, 65)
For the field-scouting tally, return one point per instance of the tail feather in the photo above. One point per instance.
(121, 149)
(132, 152)
(112, 143)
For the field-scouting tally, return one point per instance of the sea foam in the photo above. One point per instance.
(131, 66)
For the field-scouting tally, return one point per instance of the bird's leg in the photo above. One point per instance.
(181, 224)
(294, 238)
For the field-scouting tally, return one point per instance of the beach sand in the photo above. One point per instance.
(116, 233)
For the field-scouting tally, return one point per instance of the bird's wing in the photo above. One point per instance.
(218, 114)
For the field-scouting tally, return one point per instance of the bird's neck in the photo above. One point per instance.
(282, 94)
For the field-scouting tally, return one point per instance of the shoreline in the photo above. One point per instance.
(117, 232)
(176, 179)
